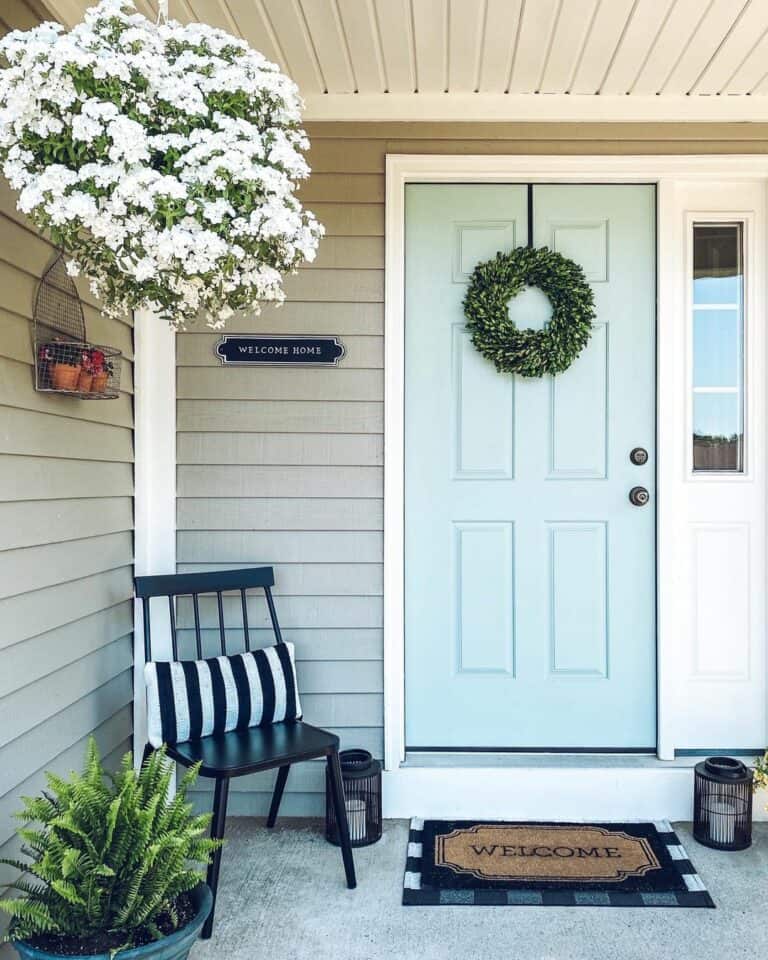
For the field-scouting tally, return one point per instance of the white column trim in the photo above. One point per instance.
(154, 477)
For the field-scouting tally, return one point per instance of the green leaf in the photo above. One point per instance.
(70, 861)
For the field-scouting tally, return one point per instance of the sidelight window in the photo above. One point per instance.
(718, 347)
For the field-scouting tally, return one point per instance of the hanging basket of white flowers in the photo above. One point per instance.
(162, 158)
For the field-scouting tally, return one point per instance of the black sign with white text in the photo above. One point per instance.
(279, 350)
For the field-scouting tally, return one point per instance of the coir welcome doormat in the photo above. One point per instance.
(549, 864)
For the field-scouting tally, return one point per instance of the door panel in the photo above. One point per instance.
(529, 576)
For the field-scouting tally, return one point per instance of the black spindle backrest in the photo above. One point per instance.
(196, 584)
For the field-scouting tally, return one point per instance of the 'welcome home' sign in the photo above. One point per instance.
(279, 350)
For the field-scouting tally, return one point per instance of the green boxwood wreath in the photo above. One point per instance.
(531, 353)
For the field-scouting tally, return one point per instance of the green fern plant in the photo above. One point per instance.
(109, 854)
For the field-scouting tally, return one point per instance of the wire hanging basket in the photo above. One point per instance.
(65, 361)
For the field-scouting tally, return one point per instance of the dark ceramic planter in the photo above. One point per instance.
(174, 947)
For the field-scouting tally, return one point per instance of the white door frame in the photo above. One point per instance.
(685, 185)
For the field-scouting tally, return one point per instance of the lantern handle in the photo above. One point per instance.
(726, 767)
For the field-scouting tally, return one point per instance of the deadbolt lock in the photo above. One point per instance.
(639, 456)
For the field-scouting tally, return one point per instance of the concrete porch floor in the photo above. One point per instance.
(282, 897)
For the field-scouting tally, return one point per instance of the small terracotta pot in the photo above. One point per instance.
(64, 376)
(99, 383)
(85, 382)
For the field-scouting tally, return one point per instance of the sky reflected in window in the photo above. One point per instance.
(718, 347)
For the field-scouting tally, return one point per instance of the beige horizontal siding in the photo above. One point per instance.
(39, 611)
(351, 253)
(280, 513)
(290, 416)
(349, 219)
(66, 537)
(54, 693)
(34, 568)
(49, 435)
(316, 579)
(31, 524)
(46, 653)
(327, 644)
(241, 383)
(343, 188)
(310, 546)
(295, 612)
(313, 449)
(388, 137)
(25, 478)
(277, 481)
(350, 319)
(285, 466)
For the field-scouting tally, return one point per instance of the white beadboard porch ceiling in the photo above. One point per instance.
(504, 59)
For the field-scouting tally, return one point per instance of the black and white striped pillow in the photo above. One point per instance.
(189, 699)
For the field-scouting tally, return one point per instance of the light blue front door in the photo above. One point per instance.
(529, 575)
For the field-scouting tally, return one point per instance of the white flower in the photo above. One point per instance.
(85, 128)
(30, 197)
(129, 140)
(145, 268)
(216, 210)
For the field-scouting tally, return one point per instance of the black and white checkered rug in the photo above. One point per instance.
(453, 863)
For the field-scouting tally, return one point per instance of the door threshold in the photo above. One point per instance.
(505, 759)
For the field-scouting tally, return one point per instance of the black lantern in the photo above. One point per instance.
(362, 797)
(722, 804)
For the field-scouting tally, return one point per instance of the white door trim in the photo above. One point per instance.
(677, 179)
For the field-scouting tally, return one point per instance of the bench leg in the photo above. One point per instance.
(277, 796)
(220, 796)
(340, 809)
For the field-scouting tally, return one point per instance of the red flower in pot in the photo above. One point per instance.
(100, 369)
